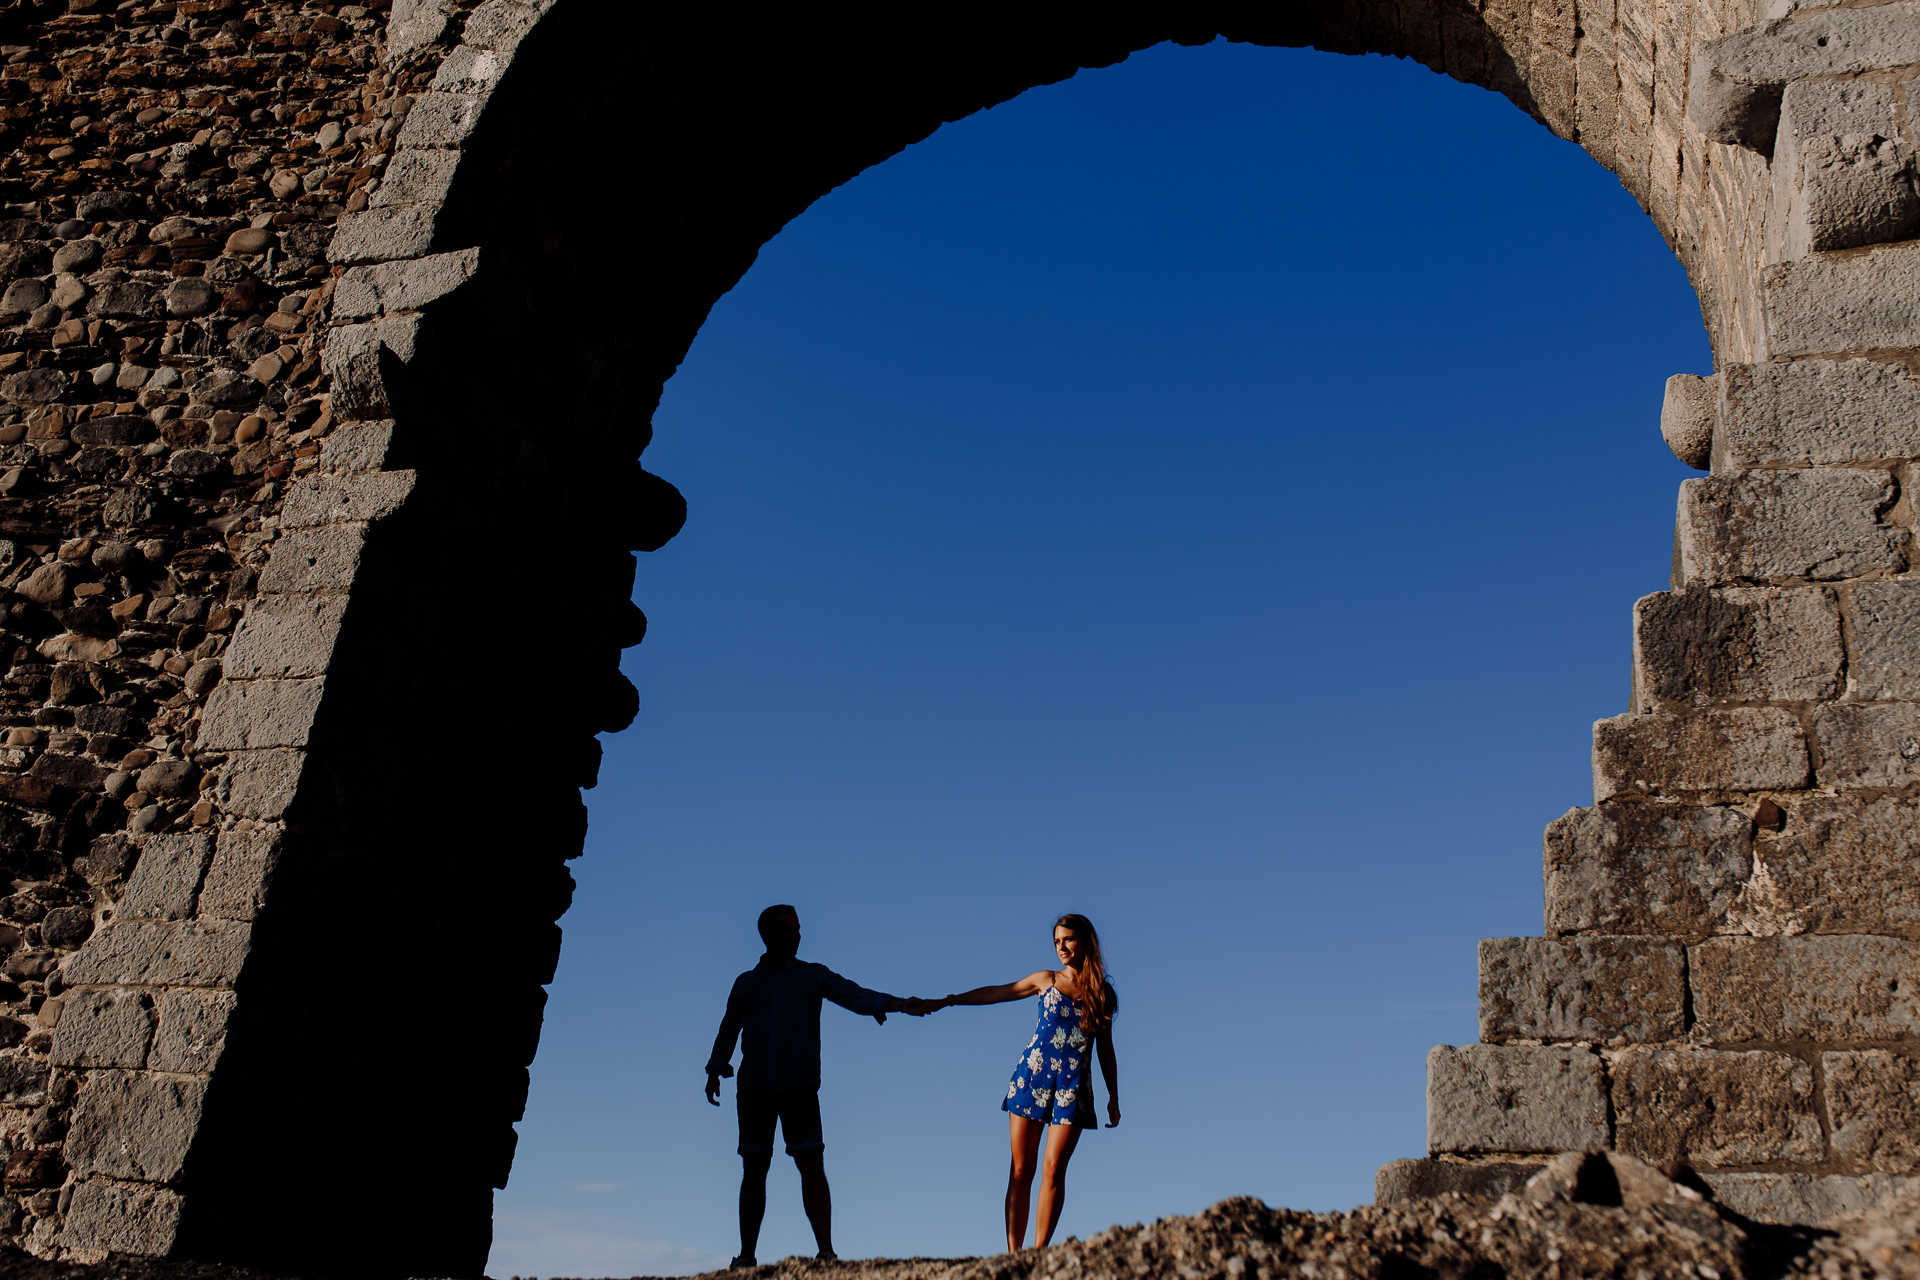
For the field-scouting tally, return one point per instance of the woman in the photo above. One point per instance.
(1052, 1088)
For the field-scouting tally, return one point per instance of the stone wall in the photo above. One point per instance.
(329, 338)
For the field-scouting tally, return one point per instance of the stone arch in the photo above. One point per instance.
(426, 621)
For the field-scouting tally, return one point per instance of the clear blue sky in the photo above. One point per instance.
(1207, 494)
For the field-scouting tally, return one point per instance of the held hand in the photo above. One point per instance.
(713, 1088)
(1113, 1113)
(920, 1008)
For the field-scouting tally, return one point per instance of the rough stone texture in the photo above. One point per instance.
(133, 1126)
(193, 1031)
(1802, 1197)
(1401, 1181)
(157, 953)
(1840, 170)
(1885, 658)
(260, 713)
(1709, 647)
(1868, 745)
(1714, 1108)
(1847, 303)
(1835, 866)
(121, 1219)
(1737, 80)
(1658, 754)
(1687, 417)
(167, 878)
(284, 636)
(1804, 988)
(1815, 413)
(1873, 1109)
(237, 879)
(403, 286)
(103, 1029)
(1646, 869)
(1787, 526)
(1501, 1098)
(1600, 990)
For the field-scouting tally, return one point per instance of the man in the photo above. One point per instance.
(776, 1004)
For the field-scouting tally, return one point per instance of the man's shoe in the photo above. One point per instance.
(742, 1262)
(827, 1255)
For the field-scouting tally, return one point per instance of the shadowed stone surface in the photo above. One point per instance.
(1714, 1107)
(1604, 990)
(1658, 754)
(1645, 868)
(1736, 645)
(1492, 1098)
(1822, 988)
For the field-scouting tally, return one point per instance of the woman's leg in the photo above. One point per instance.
(1025, 1135)
(1061, 1140)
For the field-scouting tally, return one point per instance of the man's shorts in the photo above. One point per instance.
(798, 1111)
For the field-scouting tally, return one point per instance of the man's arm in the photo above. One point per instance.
(854, 998)
(720, 1061)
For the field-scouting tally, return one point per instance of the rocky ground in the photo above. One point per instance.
(1585, 1217)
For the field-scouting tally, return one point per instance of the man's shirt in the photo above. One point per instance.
(774, 1009)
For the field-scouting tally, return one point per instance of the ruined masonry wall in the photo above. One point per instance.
(306, 436)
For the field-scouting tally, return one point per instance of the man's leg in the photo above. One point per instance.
(753, 1202)
(800, 1123)
(757, 1112)
(817, 1197)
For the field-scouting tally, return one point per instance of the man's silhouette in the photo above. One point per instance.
(776, 1004)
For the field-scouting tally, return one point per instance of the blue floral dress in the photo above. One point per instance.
(1053, 1081)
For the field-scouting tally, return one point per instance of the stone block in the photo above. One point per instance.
(1885, 661)
(439, 121)
(1713, 1107)
(1802, 1197)
(193, 1030)
(1645, 868)
(384, 233)
(412, 25)
(468, 70)
(1500, 1098)
(1712, 646)
(361, 358)
(244, 859)
(1868, 744)
(167, 877)
(1840, 176)
(1608, 990)
(1736, 749)
(183, 953)
(500, 24)
(1687, 418)
(1735, 82)
(133, 1125)
(402, 286)
(321, 559)
(1815, 413)
(360, 447)
(255, 714)
(285, 637)
(420, 177)
(1826, 987)
(138, 1220)
(1773, 526)
(323, 499)
(1873, 1109)
(1842, 304)
(1399, 1181)
(1839, 865)
(103, 1029)
(260, 784)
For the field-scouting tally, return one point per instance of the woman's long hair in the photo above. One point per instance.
(1095, 996)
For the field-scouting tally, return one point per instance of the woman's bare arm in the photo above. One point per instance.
(1031, 985)
(1110, 1070)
